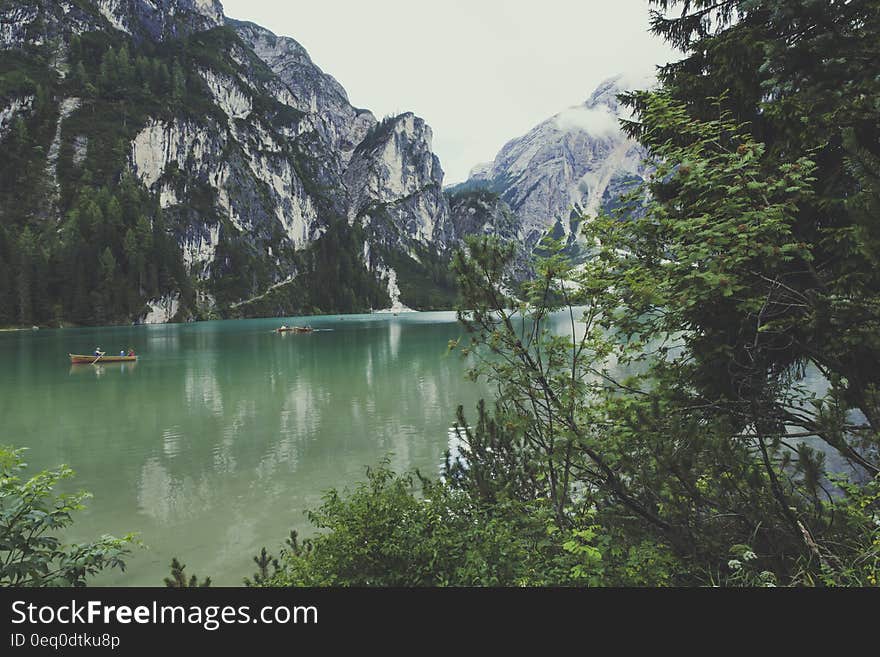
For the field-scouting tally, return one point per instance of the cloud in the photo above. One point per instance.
(637, 79)
(595, 121)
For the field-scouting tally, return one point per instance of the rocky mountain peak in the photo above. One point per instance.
(287, 57)
(37, 22)
(314, 92)
(161, 19)
(570, 165)
(395, 175)
(403, 131)
(599, 115)
(607, 91)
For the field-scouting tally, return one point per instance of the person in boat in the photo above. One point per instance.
(122, 352)
(98, 352)
(131, 352)
(284, 327)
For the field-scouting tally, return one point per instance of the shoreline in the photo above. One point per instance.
(382, 313)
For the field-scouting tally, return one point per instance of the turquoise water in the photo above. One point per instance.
(223, 434)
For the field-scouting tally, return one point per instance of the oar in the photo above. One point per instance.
(99, 357)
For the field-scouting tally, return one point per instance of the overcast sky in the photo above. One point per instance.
(480, 72)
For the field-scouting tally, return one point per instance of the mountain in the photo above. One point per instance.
(167, 163)
(163, 162)
(35, 23)
(571, 165)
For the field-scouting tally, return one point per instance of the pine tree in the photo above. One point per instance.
(108, 77)
(124, 67)
(863, 163)
(179, 579)
(178, 82)
(107, 288)
(7, 304)
(80, 76)
(134, 254)
(24, 281)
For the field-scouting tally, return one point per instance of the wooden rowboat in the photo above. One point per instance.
(81, 359)
(295, 329)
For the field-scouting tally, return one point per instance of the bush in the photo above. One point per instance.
(31, 515)
(384, 534)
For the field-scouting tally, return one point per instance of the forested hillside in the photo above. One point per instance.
(158, 167)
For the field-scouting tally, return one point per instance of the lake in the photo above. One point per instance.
(215, 443)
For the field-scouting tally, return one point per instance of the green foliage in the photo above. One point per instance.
(23, 73)
(856, 561)
(751, 263)
(179, 580)
(651, 423)
(783, 272)
(494, 187)
(802, 79)
(425, 283)
(654, 459)
(140, 259)
(263, 577)
(487, 522)
(63, 273)
(471, 197)
(331, 279)
(383, 534)
(31, 516)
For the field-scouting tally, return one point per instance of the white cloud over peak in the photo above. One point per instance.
(596, 121)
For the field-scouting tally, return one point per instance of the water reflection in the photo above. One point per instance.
(100, 369)
(227, 432)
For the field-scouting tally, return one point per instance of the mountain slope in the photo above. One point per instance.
(571, 165)
(341, 125)
(168, 163)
